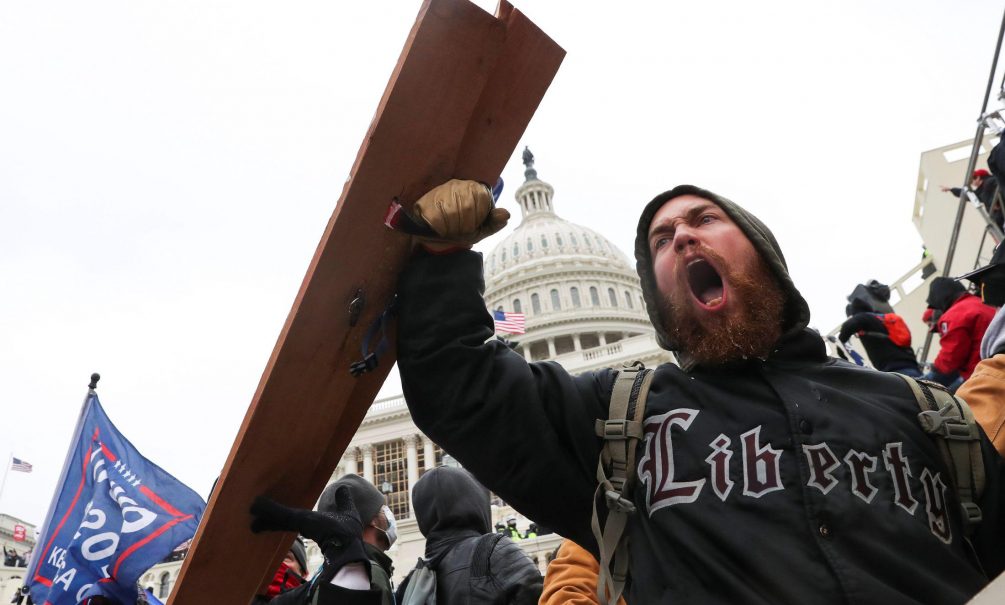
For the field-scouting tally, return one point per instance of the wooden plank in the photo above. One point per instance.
(457, 103)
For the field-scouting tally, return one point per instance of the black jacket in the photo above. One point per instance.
(884, 355)
(796, 480)
(453, 513)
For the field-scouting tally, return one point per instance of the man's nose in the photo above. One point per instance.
(683, 238)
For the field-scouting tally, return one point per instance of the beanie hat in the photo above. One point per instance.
(364, 495)
(943, 292)
(796, 315)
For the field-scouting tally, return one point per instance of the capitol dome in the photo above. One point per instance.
(580, 294)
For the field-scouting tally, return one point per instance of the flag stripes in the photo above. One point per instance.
(512, 323)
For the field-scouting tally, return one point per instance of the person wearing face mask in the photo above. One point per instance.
(379, 528)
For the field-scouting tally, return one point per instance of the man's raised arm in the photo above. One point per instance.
(526, 431)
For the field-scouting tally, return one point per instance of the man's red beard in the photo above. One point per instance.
(749, 330)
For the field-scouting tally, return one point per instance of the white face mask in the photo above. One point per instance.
(392, 528)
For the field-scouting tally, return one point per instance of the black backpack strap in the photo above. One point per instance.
(482, 555)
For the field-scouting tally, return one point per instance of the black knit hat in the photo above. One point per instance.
(364, 495)
(797, 312)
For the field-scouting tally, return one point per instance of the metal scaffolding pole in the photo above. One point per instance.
(974, 152)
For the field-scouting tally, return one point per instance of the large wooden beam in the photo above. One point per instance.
(458, 101)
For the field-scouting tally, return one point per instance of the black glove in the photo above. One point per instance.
(846, 332)
(339, 533)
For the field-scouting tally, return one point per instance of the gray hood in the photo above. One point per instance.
(797, 312)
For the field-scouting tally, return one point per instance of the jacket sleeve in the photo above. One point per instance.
(860, 322)
(572, 578)
(983, 391)
(954, 347)
(525, 430)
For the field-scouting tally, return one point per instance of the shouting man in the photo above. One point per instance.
(767, 472)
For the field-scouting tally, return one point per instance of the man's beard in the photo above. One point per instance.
(748, 330)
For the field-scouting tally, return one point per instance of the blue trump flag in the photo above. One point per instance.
(115, 514)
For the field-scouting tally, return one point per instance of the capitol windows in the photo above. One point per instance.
(421, 459)
(628, 299)
(556, 304)
(612, 296)
(530, 245)
(535, 303)
(544, 241)
(390, 475)
(516, 250)
(594, 296)
(558, 240)
(572, 238)
(503, 255)
(165, 587)
(517, 307)
(574, 294)
(564, 345)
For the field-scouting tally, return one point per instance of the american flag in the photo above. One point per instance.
(512, 323)
(17, 464)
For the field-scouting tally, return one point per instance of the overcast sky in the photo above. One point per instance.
(167, 170)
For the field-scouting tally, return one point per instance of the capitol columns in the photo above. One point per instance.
(428, 453)
(348, 464)
(367, 461)
(412, 459)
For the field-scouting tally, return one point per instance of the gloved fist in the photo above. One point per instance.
(339, 534)
(460, 212)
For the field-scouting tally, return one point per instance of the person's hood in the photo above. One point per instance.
(943, 292)
(797, 312)
(450, 505)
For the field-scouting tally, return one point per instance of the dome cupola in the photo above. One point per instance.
(579, 293)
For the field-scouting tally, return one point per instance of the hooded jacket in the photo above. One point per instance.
(794, 479)
(452, 511)
(961, 329)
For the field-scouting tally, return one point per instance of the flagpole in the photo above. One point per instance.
(6, 471)
(66, 466)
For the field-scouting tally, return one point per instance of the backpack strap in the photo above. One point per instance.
(482, 555)
(616, 476)
(951, 422)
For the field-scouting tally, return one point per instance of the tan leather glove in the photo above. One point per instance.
(461, 213)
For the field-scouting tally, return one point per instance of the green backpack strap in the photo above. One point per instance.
(958, 437)
(616, 476)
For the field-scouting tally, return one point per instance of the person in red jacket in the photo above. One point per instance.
(961, 327)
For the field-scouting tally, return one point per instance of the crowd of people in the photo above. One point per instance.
(757, 469)
(12, 558)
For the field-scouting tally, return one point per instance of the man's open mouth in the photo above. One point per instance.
(705, 282)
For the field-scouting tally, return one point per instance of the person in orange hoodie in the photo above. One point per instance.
(985, 389)
(571, 578)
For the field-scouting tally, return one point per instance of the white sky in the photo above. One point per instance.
(167, 169)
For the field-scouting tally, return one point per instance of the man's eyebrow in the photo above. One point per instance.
(688, 217)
